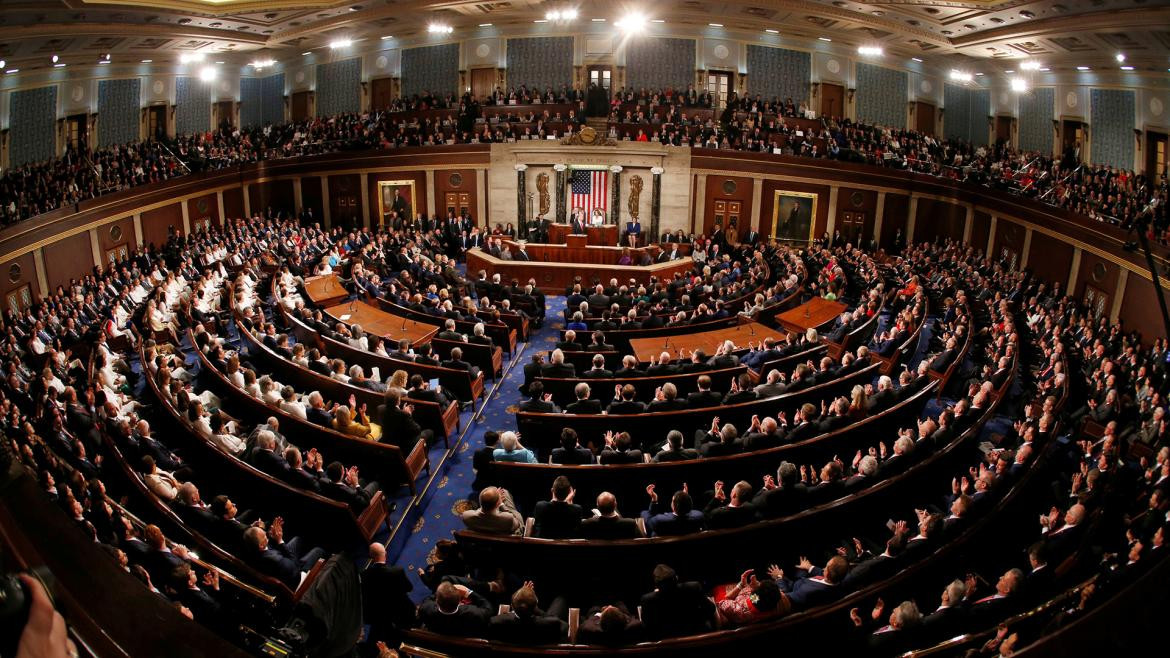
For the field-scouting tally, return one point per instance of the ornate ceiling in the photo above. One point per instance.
(974, 33)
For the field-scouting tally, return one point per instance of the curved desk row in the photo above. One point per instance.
(554, 266)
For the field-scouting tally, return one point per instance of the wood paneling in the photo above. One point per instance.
(1050, 259)
(116, 234)
(311, 196)
(26, 275)
(233, 203)
(204, 208)
(157, 223)
(852, 205)
(345, 199)
(462, 181)
(68, 258)
(727, 188)
(894, 218)
(276, 195)
(939, 219)
(381, 93)
(832, 100)
(768, 202)
(980, 229)
(1099, 273)
(1140, 309)
(924, 115)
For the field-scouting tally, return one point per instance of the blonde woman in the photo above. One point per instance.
(344, 422)
(858, 402)
(398, 382)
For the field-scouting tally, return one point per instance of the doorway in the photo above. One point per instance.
(225, 114)
(924, 114)
(457, 203)
(77, 131)
(302, 105)
(1072, 141)
(832, 100)
(602, 76)
(156, 121)
(724, 216)
(381, 93)
(483, 82)
(719, 86)
(1003, 130)
(1156, 147)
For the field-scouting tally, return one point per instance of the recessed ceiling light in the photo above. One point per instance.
(715, 24)
(13, 71)
(824, 38)
(55, 58)
(387, 37)
(307, 53)
(916, 59)
(485, 24)
(1120, 57)
(540, 20)
(147, 61)
(341, 43)
(59, 66)
(220, 63)
(978, 74)
(1082, 68)
(103, 61)
(771, 31)
(658, 20)
(1009, 71)
(1044, 69)
(1127, 68)
(597, 20)
(872, 51)
(3, 63)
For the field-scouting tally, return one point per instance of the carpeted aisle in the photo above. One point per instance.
(439, 514)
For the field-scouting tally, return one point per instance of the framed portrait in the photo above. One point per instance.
(396, 196)
(794, 216)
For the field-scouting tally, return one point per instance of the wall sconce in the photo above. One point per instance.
(851, 92)
(816, 87)
(1055, 126)
(1137, 136)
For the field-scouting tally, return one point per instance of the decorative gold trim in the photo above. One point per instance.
(382, 184)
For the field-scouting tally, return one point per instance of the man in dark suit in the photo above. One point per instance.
(812, 586)
(884, 398)
(782, 496)
(279, 559)
(525, 623)
(539, 402)
(598, 343)
(606, 523)
(674, 451)
(570, 344)
(583, 405)
(456, 362)
(557, 368)
(559, 517)
(598, 370)
(682, 518)
(704, 397)
(570, 451)
(624, 402)
(398, 424)
(456, 611)
(385, 596)
(731, 512)
(675, 609)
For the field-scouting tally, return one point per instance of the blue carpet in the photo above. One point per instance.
(439, 511)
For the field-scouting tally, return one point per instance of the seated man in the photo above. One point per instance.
(559, 517)
(583, 405)
(497, 514)
(682, 518)
(571, 453)
(455, 610)
(277, 558)
(526, 623)
(606, 523)
(675, 609)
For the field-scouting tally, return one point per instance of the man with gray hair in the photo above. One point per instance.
(782, 495)
(885, 396)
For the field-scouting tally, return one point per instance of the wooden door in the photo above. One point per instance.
(457, 203)
(302, 105)
(225, 113)
(832, 100)
(719, 86)
(1003, 130)
(602, 76)
(724, 215)
(156, 121)
(852, 225)
(381, 93)
(924, 115)
(483, 82)
(77, 129)
(1072, 139)
(1156, 154)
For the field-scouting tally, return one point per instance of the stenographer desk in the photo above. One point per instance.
(554, 266)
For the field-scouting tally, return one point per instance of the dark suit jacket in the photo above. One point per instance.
(612, 527)
(626, 407)
(576, 456)
(584, 407)
(537, 629)
(561, 371)
(469, 620)
(701, 399)
(556, 519)
(384, 595)
(676, 611)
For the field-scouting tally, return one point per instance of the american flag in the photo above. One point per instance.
(590, 190)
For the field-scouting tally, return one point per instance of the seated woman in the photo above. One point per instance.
(344, 422)
(625, 258)
(750, 601)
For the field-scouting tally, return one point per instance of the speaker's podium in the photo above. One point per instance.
(602, 235)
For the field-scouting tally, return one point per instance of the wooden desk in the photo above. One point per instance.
(325, 290)
(387, 325)
(553, 266)
(813, 313)
(708, 341)
(605, 235)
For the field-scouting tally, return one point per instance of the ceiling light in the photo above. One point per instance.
(916, 59)
(658, 20)
(715, 24)
(262, 63)
(55, 58)
(824, 38)
(960, 76)
(188, 58)
(1030, 65)
(1019, 85)
(485, 24)
(307, 53)
(1044, 69)
(103, 61)
(872, 51)
(597, 20)
(540, 20)
(3, 63)
(1082, 68)
(1120, 57)
(341, 43)
(220, 63)
(632, 23)
(147, 61)
(978, 75)
(1009, 71)
(59, 66)
(208, 73)
(439, 28)
(387, 37)
(771, 31)
(13, 71)
(1127, 68)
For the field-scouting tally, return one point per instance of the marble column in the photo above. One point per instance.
(655, 204)
(615, 195)
(560, 198)
(521, 201)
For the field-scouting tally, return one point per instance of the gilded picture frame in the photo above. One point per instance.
(388, 193)
(794, 216)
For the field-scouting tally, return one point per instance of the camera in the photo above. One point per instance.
(15, 602)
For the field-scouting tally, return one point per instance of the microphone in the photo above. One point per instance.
(752, 328)
(403, 325)
(667, 343)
